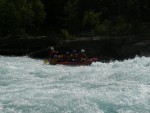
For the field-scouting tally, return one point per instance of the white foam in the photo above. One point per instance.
(27, 85)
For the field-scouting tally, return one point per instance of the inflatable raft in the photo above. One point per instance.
(87, 62)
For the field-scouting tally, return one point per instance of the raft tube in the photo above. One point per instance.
(87, 62)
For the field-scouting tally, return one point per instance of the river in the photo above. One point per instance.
(30, 86)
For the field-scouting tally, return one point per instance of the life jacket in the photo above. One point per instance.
(82, 56)
(52, 54)
(66, 57)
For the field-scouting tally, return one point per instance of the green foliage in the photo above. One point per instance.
(71, 8)
(66, 35)
(8, 16)
(103, 28)
(71, 13)
(38, 10)
(101, 17)
(91, 19)
(17, 16)
(121, 27)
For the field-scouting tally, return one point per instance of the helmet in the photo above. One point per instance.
(74, 51)
(52, 48)
(82, 50)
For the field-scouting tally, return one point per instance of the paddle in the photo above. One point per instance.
(46, 61)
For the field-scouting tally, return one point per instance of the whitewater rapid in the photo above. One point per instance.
(30, 86)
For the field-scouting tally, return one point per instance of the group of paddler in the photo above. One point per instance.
(74, 56)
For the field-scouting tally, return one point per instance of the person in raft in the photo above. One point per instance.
(74, 56)
(52, 55)
(82, 55)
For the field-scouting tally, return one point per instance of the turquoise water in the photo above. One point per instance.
(29, 86)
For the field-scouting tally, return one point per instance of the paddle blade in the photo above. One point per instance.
(46, 61)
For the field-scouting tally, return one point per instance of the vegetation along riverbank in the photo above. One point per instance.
(105, 28)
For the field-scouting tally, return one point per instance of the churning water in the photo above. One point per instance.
(29, 86)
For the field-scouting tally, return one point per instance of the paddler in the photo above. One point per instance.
(74, 56)
(82, 56)
(53, 56)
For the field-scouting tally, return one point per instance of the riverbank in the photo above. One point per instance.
(106, 48)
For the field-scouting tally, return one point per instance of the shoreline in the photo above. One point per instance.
(107, 48)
